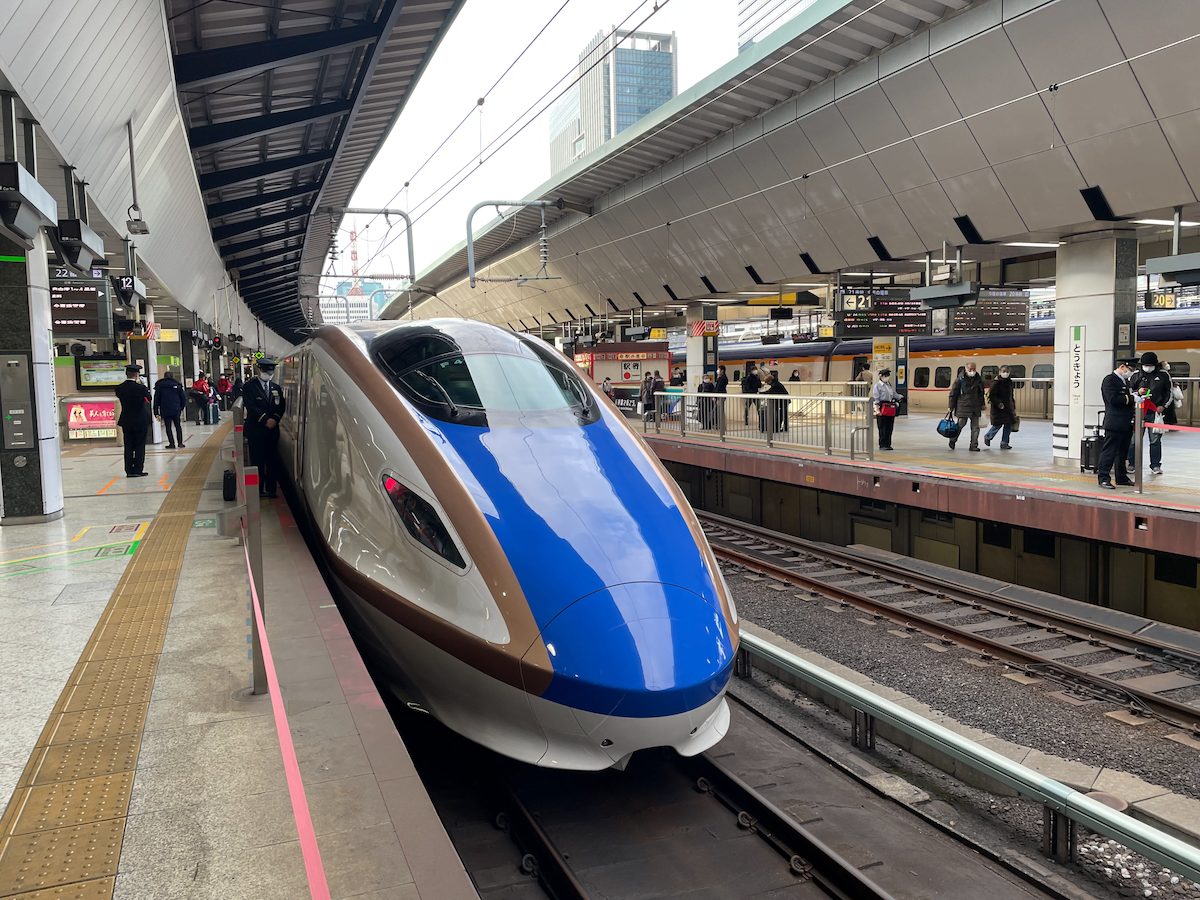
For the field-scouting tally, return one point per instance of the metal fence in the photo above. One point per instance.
(831, 424)
(1034, 398)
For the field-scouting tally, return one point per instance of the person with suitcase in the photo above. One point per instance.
(265, 406)
(200, 397)
(1118, 425)
(966, 402)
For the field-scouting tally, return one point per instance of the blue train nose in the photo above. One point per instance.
(639, 650)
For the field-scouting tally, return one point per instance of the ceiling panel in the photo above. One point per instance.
(872, 118)
(930, 212)
(919, 98)
(1159, 74)
(763, 167)
(1135, 167)
(811, 238)
(1015, 130)
(885, 220)
(980, 195)
(787, 203)
(982, 73)
(951, 151)
(1183, 134)
(849, 235)
(1044, 187)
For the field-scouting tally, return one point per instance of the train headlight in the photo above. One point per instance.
(422, 522)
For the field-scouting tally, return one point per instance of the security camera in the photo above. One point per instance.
(81, 348)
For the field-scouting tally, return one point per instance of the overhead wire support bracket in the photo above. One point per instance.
(543, 245)
(341, 211)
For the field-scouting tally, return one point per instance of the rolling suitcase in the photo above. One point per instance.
(1089, 448)
(229, 485)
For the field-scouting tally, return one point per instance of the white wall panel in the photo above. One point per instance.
(1044, 187)
(1136, 169)
(83, 68)
(981, 196)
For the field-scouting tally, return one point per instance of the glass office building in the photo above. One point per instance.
(623, 76)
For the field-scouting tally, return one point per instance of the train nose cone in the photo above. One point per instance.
(638, 650)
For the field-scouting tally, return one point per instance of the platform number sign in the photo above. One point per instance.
(126, 283)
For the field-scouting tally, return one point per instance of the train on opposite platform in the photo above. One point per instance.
(528, 572)
(1173, 334)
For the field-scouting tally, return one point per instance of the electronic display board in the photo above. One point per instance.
(80, 308)
(998, 311)
(865, 311)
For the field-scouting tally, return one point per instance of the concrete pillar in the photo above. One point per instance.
(701, 348)
(30, 458)
(150, 368)
(1095, 324)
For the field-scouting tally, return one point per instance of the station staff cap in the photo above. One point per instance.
(267, 365)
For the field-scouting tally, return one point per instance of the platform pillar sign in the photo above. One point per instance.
(31, 454)
(1095, 324)
(702, 334)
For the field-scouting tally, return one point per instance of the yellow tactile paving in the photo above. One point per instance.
(61, 834)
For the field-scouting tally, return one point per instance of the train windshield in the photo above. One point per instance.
(521, 385)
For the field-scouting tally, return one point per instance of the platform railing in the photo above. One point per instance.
(831, 425)
(1034, 397)
(1064, 805)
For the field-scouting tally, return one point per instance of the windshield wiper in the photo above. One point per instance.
(437, 384)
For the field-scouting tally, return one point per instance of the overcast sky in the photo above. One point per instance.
(486, 38)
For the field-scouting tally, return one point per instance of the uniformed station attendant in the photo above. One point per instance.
(264, 403)
(135, 421)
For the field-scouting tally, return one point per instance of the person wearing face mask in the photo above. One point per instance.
(707, 409)
(966, 402)
(1118, 424)
(1002, 409)
(1155, 385)
(885, 399)
(265, 406)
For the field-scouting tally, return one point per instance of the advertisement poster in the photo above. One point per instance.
(98, 373)
(91, 419)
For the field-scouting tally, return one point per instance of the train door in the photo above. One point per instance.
(860, 363)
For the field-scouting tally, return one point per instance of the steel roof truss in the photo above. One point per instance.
(242, 204)
(224, 232)
(212, 181)
(224, 134)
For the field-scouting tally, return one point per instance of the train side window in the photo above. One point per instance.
(990, 374)
(1042, 370)
(1172, 569)
(941, 377)
(921, 378)
(1181, 370)
(997, 535)
(1016, 372)
(1038, 543)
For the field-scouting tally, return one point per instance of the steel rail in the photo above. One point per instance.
(1173, 853)
(1172, 711)
(809, 858)
(542, 859)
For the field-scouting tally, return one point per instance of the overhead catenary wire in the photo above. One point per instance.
(471, 166)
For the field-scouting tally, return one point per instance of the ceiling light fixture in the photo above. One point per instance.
(1032, 244)
(1165, 222)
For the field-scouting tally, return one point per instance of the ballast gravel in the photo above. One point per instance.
(980, 697)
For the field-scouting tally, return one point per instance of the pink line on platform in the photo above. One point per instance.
(317, 885)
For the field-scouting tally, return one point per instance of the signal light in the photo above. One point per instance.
(216, 342)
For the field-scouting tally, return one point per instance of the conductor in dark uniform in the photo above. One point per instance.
(135, 421)
(1119, 406)
(264, 404)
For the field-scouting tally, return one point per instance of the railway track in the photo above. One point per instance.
(1087, 659)
(806, 859)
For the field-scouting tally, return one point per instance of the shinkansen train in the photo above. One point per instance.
(933, 361)
(526, 569)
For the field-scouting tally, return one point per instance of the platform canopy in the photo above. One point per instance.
(286, 105)
(854, 138)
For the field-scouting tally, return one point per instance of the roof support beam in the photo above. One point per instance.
(229, 207)
(245, 174)
(224, 232)
(262, 281)
(242, 261)
(290, 266)
(223, 134)
(232, 249)
(193, 70)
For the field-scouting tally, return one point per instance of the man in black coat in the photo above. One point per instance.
(170, 400)
(135, 421)
(1118, 424)
(966, 402)
(722, 382)
(750, 384)
(1152, 382)
(265, 406)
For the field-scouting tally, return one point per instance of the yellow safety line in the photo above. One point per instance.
(63, 828)
(54, 544)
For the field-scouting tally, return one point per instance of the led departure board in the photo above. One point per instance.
(80, 308)
(866, 311)
(997, 311)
